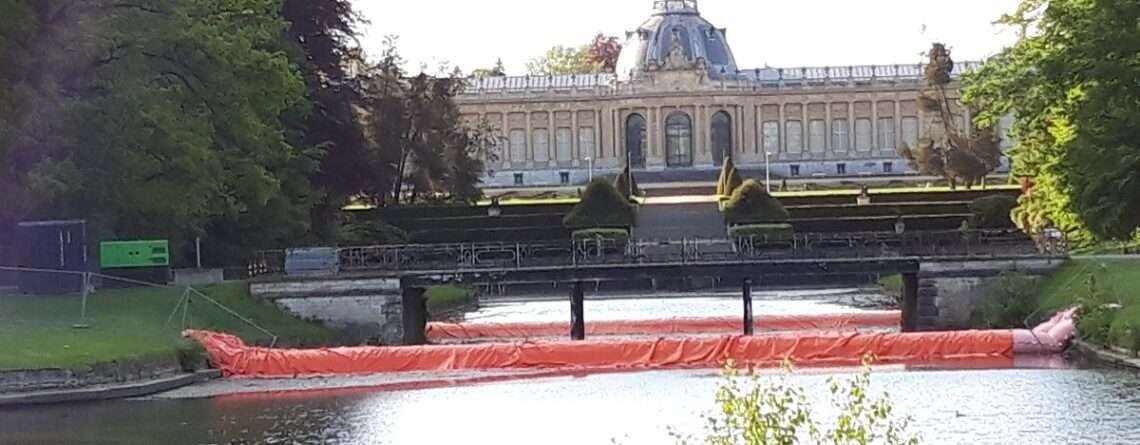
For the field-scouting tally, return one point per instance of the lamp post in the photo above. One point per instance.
(767, 172)
(590, 161)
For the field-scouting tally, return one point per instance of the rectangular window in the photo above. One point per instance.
(817, 136)
(841, 169)
(794, 170)
(910, 131)
(564, 143)
(771, 137)
(888, 167)
(887, 133)
(862, 134)
(541, 145)
(839, 140)
(794, 136)
(586, 143)
(564, 178)
(518, 179)
(518, 145)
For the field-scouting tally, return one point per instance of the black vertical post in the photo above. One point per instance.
(415, 315)
(746, 290)
(577, 312)
(910, 302)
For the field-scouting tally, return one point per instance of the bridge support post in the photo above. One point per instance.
(746, 291)
(577, 312)
(910, 302)
(415, 315)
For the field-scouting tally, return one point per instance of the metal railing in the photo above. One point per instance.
(857, 245)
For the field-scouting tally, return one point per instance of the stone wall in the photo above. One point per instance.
(24, 380)
(365, 310)
(948, 292)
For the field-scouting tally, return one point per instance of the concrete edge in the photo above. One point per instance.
(108, 392)
(1108, 357)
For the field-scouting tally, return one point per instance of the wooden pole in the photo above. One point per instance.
(910, 302)
(746, 290)
(577, 312)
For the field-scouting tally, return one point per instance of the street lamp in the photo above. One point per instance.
(767, 172)
(590, 160)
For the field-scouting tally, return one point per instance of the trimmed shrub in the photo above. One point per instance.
(626, 184)
(993, 212)
(730, 179)
(750, 204)
(372, 232)
(602, 206)
(772, 232)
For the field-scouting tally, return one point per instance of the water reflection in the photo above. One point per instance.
(962, 406)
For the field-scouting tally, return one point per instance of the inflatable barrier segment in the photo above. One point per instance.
(717, 325)
(235, 358)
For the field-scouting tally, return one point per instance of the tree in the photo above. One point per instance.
(414, 126)
(599, 56)
(321, 35)
(952, 148)
(1070, 85)
(602, 206)
(497, 71)
(604, 52)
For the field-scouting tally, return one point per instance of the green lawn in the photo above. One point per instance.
(40, 331)
(442, 299)
(1119, 283)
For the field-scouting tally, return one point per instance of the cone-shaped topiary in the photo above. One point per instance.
(601, 207)
(626, 184)
(993, 212)
(750, 204)
(729, 180)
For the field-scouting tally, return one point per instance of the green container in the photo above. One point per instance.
(128, 254)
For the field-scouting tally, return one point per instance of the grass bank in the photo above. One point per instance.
(1099, 285)
(121, 324)
(444, 300)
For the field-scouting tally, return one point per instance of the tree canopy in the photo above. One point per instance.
(599, 56)
(1071, 85)
(953, 148)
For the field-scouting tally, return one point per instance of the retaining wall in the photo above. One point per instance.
(365, 310)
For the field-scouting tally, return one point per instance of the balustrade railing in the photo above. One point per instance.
(922, 244)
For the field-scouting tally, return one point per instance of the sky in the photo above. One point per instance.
(472, 34)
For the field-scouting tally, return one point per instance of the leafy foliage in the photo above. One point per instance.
(957, 154)
(750, 204)
(993, 212)
(602, 206)
(1070, 84)
(1010, 302)
(729, 180)
(774, 412)
(600, 56)
(371, 233)
(496, 71)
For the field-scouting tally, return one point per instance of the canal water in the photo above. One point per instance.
(1060, 405)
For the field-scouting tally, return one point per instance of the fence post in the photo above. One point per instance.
(577, 312)
(746, 291)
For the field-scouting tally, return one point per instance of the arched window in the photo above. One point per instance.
(678, 140)
(635, 140)
(721, 137)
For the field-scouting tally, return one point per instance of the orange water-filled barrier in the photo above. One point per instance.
(718, 325)
(236, 359)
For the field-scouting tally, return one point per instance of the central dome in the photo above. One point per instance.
(676, 34)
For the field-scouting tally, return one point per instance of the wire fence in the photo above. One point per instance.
(55, 312)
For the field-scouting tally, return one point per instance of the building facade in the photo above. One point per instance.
(678, 105)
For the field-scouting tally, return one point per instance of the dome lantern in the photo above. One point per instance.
(676, 37)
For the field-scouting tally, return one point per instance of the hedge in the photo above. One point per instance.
(750, 204)
(602, 206)
(993, 212)
(772, 232)
(618, 236)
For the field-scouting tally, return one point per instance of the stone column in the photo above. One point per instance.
(876, 149)
(910, 302)
(828, 137)
(599, 142)
(574, 155)
(898, 126)
(529, 142)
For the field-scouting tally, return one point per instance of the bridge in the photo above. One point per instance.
(749, 262)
